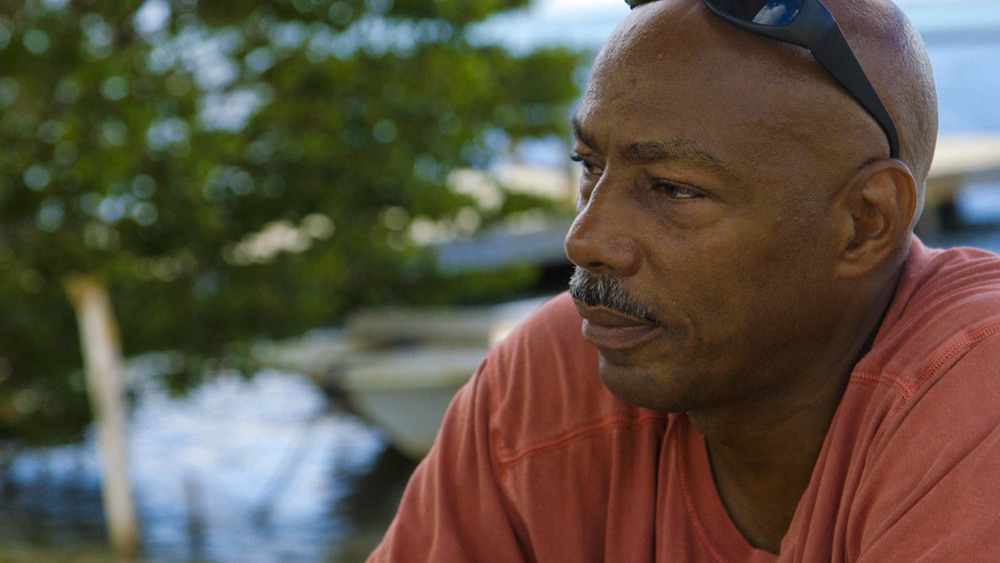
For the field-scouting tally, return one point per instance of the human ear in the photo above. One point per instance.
(879, 205)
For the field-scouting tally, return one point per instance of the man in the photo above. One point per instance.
(759, 361)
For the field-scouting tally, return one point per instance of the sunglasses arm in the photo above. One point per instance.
(834, 52)
(815, 28)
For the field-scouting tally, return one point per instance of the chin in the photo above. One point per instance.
(645, 388)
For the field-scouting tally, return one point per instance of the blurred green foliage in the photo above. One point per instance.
(233, 170)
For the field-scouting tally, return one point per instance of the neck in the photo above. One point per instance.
(762, 471)
(763, 458)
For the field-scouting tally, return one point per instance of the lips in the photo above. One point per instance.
(610, 330)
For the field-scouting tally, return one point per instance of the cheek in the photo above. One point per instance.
(739, 286)
(777, 291)
(746, 268)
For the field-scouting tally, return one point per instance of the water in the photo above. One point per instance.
(250, 471)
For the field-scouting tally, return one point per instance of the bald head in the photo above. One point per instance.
(787, 99)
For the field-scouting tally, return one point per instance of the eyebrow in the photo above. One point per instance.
(650, 152)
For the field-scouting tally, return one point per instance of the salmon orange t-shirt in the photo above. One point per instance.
(538, 461)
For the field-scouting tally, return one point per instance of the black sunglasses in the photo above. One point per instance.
(809, 24)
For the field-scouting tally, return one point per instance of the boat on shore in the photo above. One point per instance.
(399, 367)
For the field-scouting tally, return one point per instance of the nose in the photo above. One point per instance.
(601, 238)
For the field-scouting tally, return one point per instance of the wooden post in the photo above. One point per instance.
(101, 346)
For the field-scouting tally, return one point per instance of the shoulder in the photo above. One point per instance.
(921, 417)
(548, 341)
(931, 381)
(545, 386)
(947, 304)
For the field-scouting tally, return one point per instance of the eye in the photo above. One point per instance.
(588, 166)
(676, 191)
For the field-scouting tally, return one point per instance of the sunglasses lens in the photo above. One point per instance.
(775, 13)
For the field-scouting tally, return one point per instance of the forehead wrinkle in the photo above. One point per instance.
(651, 152)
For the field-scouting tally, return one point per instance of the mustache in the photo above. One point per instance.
(609, 292)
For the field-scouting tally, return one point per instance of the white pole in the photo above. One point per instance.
(101, 347)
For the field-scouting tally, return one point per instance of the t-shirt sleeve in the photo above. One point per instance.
(933, 492)
(453, 509)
